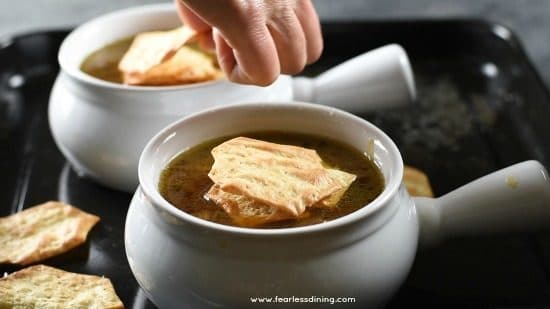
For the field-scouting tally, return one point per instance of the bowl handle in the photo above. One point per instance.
(514, 199)
(381, 78)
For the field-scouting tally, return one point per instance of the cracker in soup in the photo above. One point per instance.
(244, 210)
(149, 49)
(185, 183)
(186, 66)
(42, 286)
(286, 178)
(160, 58)
(43, 231)
(345, 180)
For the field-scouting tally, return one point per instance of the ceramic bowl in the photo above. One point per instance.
(180, 260)
(101, 127)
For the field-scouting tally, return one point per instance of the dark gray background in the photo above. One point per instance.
(529, 19)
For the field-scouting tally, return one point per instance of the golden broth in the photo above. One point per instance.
(185, 180)
(103, 63)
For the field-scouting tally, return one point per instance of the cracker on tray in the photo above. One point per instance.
(43, 231)
(417, 182)
(41, 286)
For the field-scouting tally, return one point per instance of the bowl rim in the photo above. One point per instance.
(380, 202)
(79, 75)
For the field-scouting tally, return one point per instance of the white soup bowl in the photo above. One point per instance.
(101, 127)
(180, 260)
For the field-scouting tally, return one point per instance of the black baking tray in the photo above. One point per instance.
(481, 106)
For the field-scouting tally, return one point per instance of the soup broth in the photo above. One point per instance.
(103, 63)
(185, 180)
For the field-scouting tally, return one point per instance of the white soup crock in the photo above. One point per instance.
(183, 261)
(101, 127)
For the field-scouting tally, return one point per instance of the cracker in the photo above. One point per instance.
(244, 210)
(151, 48)
(417, 182)
(42, 286)
(281, 176)
(345, 180)
(43, 231)
(186, 66)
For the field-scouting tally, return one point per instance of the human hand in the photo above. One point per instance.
(256, 40)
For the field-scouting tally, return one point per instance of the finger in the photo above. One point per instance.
(242, 25)
(243, 67)
(312, 29)
(206, 41)
(256, 56)
(289, 40)
(189, 18)
(224, 52)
